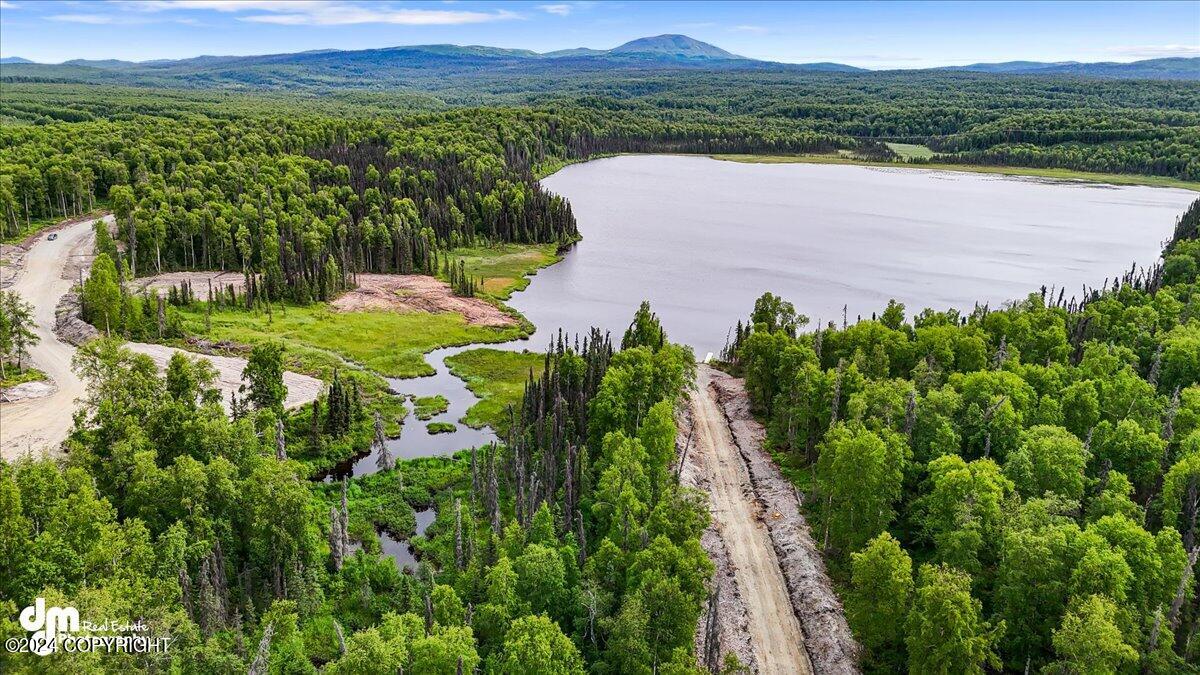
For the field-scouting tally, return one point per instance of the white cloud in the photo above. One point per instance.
(558, 10)
(341, 16)
(1154, 51)
(745, 28)
(4, 4)
(322, 12)
(96, 19)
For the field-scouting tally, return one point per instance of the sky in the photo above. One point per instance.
(866, 34)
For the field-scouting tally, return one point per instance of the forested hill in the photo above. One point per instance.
(424, 66)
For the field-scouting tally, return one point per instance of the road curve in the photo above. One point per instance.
(776, 637)
(41, 424)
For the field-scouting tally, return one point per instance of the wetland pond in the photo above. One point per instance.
(702, 238)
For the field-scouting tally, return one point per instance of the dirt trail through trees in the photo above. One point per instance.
(776, 638)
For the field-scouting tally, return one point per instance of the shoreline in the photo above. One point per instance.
(1049, 174)
(1064, 175)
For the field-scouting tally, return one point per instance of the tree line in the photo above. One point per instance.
(1012, 488)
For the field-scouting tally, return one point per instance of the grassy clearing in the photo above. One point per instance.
(911, 150)
(425, 407)
(498, 378)
(440, 428)
(389, 343)
(505, 268)
(15, 377)
(1054, 174)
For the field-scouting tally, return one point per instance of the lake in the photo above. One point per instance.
(702, 238)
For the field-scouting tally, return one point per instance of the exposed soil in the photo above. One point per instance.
(12, 256)
(827, 638)
(776, 639)
(26, 391)
(45, 273)
(198, 280)
(301, 389)
(415, 292)
(732, 617)
(47, 270)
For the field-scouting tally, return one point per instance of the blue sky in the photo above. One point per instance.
(871, 35)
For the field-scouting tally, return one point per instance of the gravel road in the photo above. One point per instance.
(776, 638)
(42, 424)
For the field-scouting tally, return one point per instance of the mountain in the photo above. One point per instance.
(444, 67)
(1174, 68)
(673, 47)
(1006, 66)
(578, 51)
(14, 59)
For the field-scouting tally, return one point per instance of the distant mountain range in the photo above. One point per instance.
(1180, 68)
(413, 65)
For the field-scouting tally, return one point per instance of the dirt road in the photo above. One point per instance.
(40, 425)
(776, 638)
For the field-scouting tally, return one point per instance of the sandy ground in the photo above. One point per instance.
(776, 638)
(47, 274)
(48, 270)
(415, 292)
(301, 389)
(199, 281)
(827, 638)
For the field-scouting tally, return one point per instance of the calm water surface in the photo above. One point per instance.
(702, 238)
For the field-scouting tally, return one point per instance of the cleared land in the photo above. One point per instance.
(776, 639)
(418, 293)
(47, 270)
(199, 281)
(301, 389)
(911, 150)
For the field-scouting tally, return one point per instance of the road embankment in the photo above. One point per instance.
(777, 567)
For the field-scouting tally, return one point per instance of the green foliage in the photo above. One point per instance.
(16, 335)
(1040, 460)
(878, 600)
(536, 645)
(498, 378)
(263, 375)
(946, 633)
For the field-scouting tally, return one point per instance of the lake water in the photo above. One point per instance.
(702, 238)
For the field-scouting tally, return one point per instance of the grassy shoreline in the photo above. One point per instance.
(1029, 172)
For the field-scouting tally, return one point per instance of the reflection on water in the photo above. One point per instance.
(701, 239)
(399, 550)
(414, 440)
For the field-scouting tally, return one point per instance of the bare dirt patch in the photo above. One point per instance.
(301, 389)
(831, 646)
(198, 280)
(417, 293)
